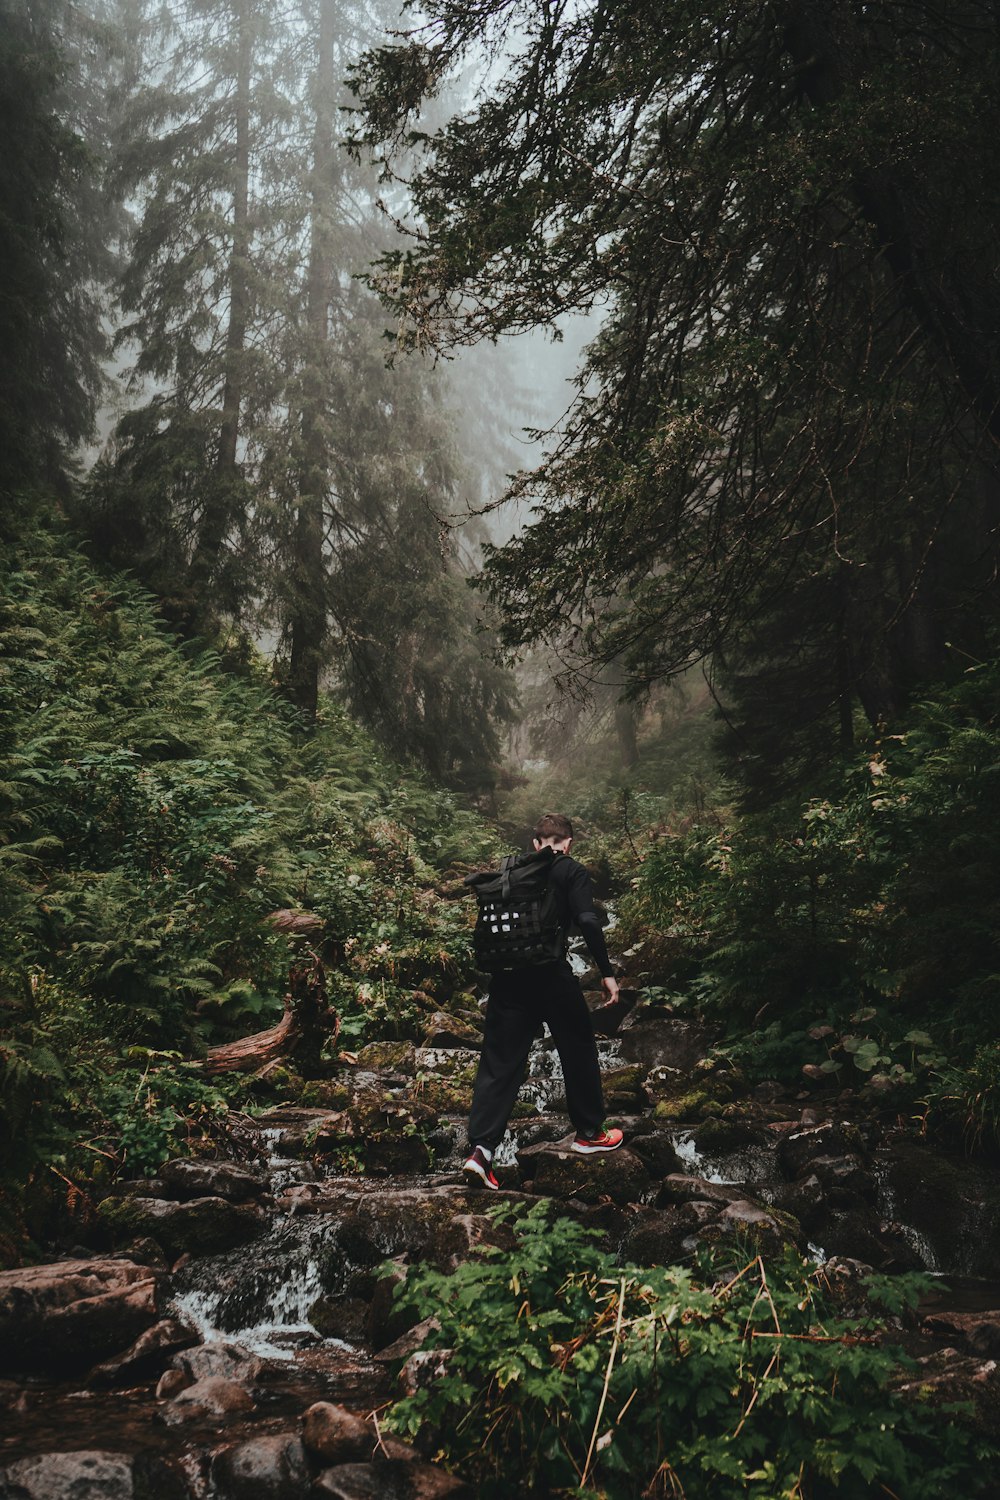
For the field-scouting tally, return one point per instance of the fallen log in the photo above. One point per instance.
(308, 1025)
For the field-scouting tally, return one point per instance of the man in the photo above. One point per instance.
(520, 999)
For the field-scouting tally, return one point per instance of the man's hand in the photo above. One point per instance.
(610, 987)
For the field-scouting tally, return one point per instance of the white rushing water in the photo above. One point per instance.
(260, 1295)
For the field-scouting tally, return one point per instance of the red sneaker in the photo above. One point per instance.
(608, 1140)
(478, 1165)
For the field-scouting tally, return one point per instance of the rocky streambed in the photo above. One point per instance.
(227, 1329)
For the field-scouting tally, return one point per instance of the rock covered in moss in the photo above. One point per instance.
(201, 1226)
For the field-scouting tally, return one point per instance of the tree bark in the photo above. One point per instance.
(220, 500)
(307, 1026)
(308, 620)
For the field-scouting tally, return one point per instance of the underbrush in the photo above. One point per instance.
(586, 1378)
(155, 812)
(856, 935)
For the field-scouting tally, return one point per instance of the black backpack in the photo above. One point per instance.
(518, 923)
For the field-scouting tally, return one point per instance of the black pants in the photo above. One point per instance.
(519, 1001)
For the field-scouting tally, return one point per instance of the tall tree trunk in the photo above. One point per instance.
(628, 745)
(221, 496)
(308, 619)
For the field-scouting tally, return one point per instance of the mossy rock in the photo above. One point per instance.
(696, 1104)
(388, 1154)
(399, 1056)
(202, 1226)
(445, 1096)
(621, 1176)
(326, 1094)
(726, 1133)
(765, 1228)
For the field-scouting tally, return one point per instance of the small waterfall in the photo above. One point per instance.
(753, 1166)
(889, 1208)
(261, 1295)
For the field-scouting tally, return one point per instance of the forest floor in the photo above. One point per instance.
(227, 1328)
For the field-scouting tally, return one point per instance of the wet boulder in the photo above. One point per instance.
(93, 1474)
(146, 1356)
(661, 1237)
(951, 1204)
(273, 1467)
(655, 1147)
(185, 1179)
(212, 1395)
(798, 1149)
(424, 1223)
(221, 1360)
(853, 1234)
(340, 1318)
(768, 1228)
(71, 1314)
(978, 1332)
(844, 1178)
(728, 1133)
(663, 1042)
(805, 1199)
(620, 1176)
(334, 1435)
(680, 1187)
(201, 1226)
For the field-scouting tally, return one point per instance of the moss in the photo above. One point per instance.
(321, 1094)
(696, 1104)
(396, 1055)
(445, 1096)
(121, 1216)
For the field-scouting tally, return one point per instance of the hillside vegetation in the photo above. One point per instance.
(156, 810)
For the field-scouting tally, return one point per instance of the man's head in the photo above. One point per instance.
(555, 830)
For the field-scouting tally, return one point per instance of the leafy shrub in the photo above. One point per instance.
(963, 1104)
(153, 811)
(584, 1377)
(885, 893)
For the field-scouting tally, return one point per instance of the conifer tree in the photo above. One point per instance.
(196, 128)
(782, 456)
(53, 251)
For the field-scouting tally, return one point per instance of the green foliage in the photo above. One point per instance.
(766, 207)
(963, 1104)
(153, 812)
(584, 1377)
(883, 894)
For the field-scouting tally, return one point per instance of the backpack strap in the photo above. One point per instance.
(506, 865)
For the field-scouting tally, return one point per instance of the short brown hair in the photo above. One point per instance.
(552, 826)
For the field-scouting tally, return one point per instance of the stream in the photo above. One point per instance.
(295, 1313)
